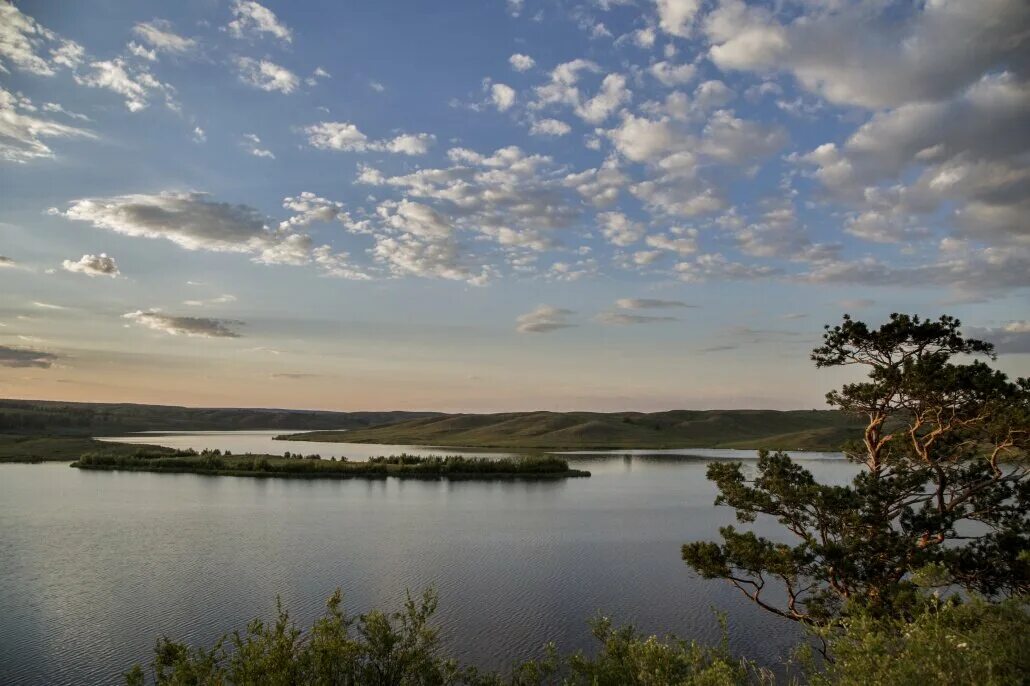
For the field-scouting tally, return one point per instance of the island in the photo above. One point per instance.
(216, 463)
(745, 429)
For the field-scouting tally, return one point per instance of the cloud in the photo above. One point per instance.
(48, 306)
(623, 319)
(619, 229)
(266, 75)
(1011, 338)
(926, 51)
(22, 134)
(715, 267)
(20, 37)
(309, 208)
(134, 82)
(549, 127)
(93, 265)
(346, 137)
(252, 144)
(201, 327)
(676, 16)
(612, 95)
(520, 62)
(543, 319)
(25, 357)
(158, 34)
(672, 74)
(193, 221)
(218, 300)
(252, 19)
(502, 96)
(648, 304)
(7, 262)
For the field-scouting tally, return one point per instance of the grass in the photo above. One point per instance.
(790, 430)
(312, 467)
(64, 448)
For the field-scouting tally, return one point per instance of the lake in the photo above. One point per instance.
(96, 565)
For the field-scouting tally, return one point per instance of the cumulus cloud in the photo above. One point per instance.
(715, 267)
(520, 62)
(926, 51)
(502, 96)
(266, 75)
(201, 327)
(619, 229)
(93, 265)
(7, 262)
(543, 319)
(675, 17)
(22, 134)
(346, 137)
(251, 19)
(612, 95)
(25, 357)
(309, 208)
(648, 304)
(549, 127)
(672, 74)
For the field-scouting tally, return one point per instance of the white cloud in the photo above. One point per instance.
(735, 141)
(901, 55)
(22, 134)
(672, 74)
(715, 267)
(682, 242)
(346, 137)
(549, 127)
(543, 319)
(612, 95)
(131, 81)
(20, 36)
(158, 34)
(252, 144)
(619, 229)
(520, 62)
(253, 19)
(266, 75)
(93, 265)
(217, 300)
(675, 17)
(309, 208)
(200, 327)
(502, 96)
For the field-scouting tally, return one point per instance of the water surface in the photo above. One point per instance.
(95, 565)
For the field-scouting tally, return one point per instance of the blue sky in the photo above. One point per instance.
(490, 205)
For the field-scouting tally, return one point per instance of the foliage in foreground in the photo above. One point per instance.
(947, 644)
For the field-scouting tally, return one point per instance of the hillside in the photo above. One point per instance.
(796, 429)
(96, 419)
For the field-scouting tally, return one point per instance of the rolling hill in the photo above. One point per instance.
(795, 429)
(46, 417)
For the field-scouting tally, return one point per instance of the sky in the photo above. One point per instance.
(491, 205)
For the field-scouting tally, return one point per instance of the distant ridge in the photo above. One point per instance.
(791, 429)
(54, 417)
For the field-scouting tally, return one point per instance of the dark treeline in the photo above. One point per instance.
(408, 466)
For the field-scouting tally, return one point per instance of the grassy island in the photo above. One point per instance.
(216, 463)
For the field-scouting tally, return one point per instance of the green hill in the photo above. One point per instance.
(796, 430)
